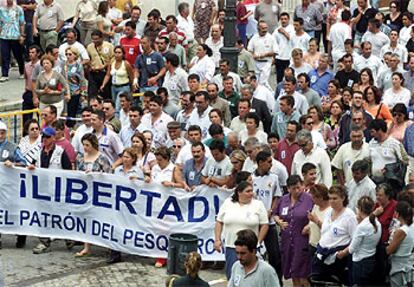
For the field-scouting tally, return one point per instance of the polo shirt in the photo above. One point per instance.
(175, 83)
(233, 101)
(110, 144)
(280, 122)
(356, 190)
(319, 82)
(285, 153)
(191, 175)
(203, 121)
(149, 66)
(158, 128)
(312, 17)
(49, 16)
(131, 47)
(262, 275)
(100, 56)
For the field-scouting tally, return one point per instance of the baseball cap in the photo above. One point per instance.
(49, 131)
(3, 126)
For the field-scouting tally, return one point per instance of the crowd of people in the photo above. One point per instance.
(312, 136)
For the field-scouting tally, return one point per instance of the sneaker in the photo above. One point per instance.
(4, 79)
(21, 77)
(41, 248)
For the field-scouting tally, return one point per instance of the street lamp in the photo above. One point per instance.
(229, 51)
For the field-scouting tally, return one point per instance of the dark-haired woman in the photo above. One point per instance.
(373, 105)
(364, 243)
(122, 75)
(401, 247)
(30, 144)
(241, 211)
(92, 160)
(337, 230)
(397, 93)
(291, 215)
(366, 79)
(400, 123)
(203, 64)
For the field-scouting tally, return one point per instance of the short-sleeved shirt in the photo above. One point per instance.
(362, 24)
(312, 17)
(28, 14)
(49, 16)
(191, 175)
(149, 66)
(131, 48)
(100, 56)
(110, 144)
(10, 21)
(217, 169)
(262, 275)
(175, 83)
(236, 216)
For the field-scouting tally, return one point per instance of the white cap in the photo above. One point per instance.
(3, 126)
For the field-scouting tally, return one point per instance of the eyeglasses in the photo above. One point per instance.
(393, 6)
(34, 129)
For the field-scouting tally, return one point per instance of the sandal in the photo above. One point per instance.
(82, 254)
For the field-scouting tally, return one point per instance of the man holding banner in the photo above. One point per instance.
(53, 157)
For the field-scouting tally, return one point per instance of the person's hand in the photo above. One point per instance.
(378, 211)
(35, 32)
(31, 167)
(36, 102)
(133, 178)
(67, 97)
(187, 188)
(217, 245)
(147, 179)
(212, 184)
(283, 224)
(269, 213)
(341, 254)
(312, 217)
(256, 56)
(8, 163)
(21, 40)
(152, 81)
(306, 230)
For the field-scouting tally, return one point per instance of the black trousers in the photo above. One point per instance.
(95, 82)
(281, 65)
(73, 108)
(271, 242)
(27, 105)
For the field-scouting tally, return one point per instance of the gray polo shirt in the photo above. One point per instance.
(49, 16)
(310, 17)
(263, 275)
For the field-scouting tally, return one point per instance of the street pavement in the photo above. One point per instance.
(60, 268)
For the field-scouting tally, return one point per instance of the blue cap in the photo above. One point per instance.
(49, 131)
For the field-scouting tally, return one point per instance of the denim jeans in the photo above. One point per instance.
(242, 33)
(116, 91)
(231, 258)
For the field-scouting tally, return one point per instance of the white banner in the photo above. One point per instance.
(106, 210)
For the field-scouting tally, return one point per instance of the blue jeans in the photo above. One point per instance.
(242, 33)
(28, 28)
(362, 271)
(231, 258)
(116, 91)
(7, 47)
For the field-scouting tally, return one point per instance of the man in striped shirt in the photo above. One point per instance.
(171, 22)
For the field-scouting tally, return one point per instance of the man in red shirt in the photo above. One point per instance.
(171, 22)
(288, 146)
(130, 43)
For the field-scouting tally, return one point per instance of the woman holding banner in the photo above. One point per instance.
(239, 212)
(92, 160)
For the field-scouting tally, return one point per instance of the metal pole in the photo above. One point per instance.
(229, 51)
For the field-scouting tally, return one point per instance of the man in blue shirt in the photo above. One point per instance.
(149, 68)
(321, 76)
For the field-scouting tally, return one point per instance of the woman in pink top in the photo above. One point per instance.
(400, 123)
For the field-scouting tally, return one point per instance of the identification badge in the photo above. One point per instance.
(211, 171)
(274, 9)
(237, 280)
(241, 64)
(313, 79)
(386, 152)
(308, 19)
(131, 51)
(73, 70)
(203, 5)
(5, 154)
(283, 154)
(191, 175)
(52, 82)
(12, 15)
(148, 61)
(280, 119)
(105, 50)
(173, 86)
(50, 13)
(350, 83)
(285, 210)
(114, 80)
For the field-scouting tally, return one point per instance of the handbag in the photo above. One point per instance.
(394, 174)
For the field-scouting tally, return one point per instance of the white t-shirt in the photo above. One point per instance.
(339, 232)
(260, 135)
(266, 188)
(236, 217)
(215, 47)
(338, 33)
(158, 128)
(301, 42)
(216, 169)
(366, 187)
(283, 42)
(261, 45)
(77, 138)
(392, 98)
(159, 175)
(202, 121)
(377, 40)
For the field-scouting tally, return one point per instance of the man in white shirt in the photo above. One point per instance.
(224, 66)
(283, 36)
(300, 39)
(186, 24)
(263, 48)
(360, 185)
(301, 104)
(200, 115)
(405, 32)
(218, 168)
(71, 37)
(396, 48)
(156, 121)
(83, 129)
(128, 131)
(135, 17)
(175, 79)
(261, 92)
(348, 153)
(368, 60)
(215, 42)
(338, 34)
(315, 155)
(377, 38)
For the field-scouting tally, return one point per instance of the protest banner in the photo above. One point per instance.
(107, 210)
